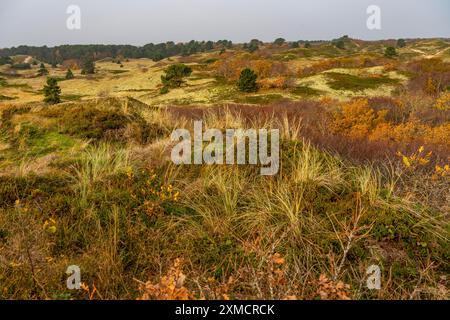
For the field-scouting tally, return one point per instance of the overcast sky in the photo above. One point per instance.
(139, 22)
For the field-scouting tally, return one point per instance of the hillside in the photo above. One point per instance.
(364, 176)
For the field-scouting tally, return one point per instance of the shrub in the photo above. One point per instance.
(164, 90)
(88, 66)
(401, 43)
(247, 81)
(174, 75)
(5, 60)
(21, 66)
(69, 74)
(443, 102)
(42, 70)
(279, 41)
(357, 119)
(390, 52)
(52, 91)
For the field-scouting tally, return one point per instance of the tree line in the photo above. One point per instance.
(156, 52)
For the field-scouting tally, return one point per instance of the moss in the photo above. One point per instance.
(305, 91)
(31, 187)
(341, 81)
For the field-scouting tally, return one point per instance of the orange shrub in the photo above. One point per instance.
(357, 119)
(443, 102)
(276, 83)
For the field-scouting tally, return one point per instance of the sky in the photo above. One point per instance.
(137, 22)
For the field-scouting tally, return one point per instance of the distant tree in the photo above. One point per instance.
(54, 64)
(247, 81)
(42, 70)
(69, 74)
(5, 60)
(294, 45)
(174, 75)
(209, 45)
(307, 44)
(401, 43)
(88, 65)
(390, 52)
(279, 41)
(52, 91)
(253, 45)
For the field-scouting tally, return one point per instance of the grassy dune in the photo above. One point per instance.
(89, 181)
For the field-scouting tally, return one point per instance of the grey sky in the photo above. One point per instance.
(143, 21)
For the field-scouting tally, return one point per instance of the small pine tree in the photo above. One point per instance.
(294, 45)
(52, 91)
(88, 66)
(69, 74)
(307, 45)
(247, 81)
(401, 43)
(42, 70)
(174, 75)
(390, 52)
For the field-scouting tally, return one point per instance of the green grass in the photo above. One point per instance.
(341, 81)
(50, 142)
(305, 91)
(260, 99)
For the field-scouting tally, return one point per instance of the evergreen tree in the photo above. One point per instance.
(279, 41)
(401, 43)
(174, 75)
(52, 91)
(69, 74)
(247, 81)
(42, 70)
(88, 66)
(307, 45)
(294, 45)
(390, 52)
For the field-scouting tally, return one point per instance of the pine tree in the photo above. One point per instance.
(247, 81)
(69, 74)
(88, 66)
(52, 91)
(390, 52)
(401, 43)
(279, 41)
(174, 75)
(42, 70)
